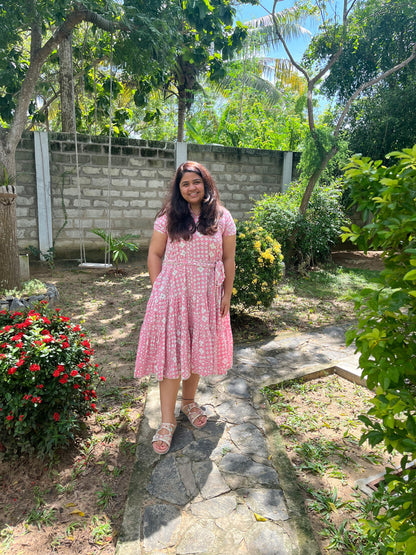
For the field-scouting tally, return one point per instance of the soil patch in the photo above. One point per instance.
(371, 260)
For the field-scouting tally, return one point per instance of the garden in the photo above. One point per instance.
(70, 410)
(74, 501)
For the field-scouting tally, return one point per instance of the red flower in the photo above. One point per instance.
(44, 301)
(76, 385)
(56, 416)
(74, 373)
(46, 320)
(64, 379)
(102, 378)
(87, 377)
(60, 367)
(65, 345)
(20, 345)
(9, 417)
(56, 374)
(12, 370)
(76, 328)
(57, 310)
(85, 343)
(21, 417)
(40, 386)
(93, 406)
(34, 367)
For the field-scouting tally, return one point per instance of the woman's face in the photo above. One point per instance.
(192, 189)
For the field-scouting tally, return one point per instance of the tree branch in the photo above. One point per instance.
(78, 14)
(370, 84)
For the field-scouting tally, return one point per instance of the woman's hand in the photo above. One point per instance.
(225, 305)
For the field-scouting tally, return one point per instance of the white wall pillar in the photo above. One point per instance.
(287, 170)
(181, 153)
(43, 191)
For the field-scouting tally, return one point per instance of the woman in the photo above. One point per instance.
(186, 331)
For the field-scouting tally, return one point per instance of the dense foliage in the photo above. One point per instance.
(47, 380)
(259, 266)
(305, 239)
(385, 336)
(380, 35)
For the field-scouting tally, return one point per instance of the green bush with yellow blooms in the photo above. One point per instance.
(259, 266)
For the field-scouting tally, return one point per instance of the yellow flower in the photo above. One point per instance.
(264, 284)
(269, 239)
(267, 255)
(234, 291)
(276, 248)
(257, 245)
(242, 236)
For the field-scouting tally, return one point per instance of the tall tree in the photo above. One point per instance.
(203, 37)
(384, 118)
(337, 35)
(47, 24)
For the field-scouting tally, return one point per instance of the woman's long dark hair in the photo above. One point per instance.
(180, 222)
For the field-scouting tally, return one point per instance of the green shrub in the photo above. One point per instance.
(259, 266)
(305, 239)
(386, 334)
(47, 380)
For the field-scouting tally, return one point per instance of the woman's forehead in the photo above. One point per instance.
(190, 176)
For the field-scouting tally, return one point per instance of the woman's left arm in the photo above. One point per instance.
(228, 258)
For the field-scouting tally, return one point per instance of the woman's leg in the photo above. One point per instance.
(168, 390)
(189, 388)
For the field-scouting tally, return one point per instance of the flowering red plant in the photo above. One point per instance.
(47, 380)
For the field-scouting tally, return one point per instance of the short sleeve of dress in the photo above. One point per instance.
(228, 225)
(161, 224)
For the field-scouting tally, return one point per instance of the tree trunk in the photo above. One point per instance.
(9, 267)
(314, 179)
(66, 82)
(181, 114)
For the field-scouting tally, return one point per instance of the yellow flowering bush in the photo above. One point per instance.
(259, 266)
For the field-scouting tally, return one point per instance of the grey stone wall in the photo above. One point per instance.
(128, 188)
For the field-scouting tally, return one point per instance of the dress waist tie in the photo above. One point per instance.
(217, 266)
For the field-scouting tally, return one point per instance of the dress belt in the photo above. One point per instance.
(217, 266)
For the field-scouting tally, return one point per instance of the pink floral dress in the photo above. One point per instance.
(183, 331)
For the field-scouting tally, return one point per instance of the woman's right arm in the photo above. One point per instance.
(156, 253)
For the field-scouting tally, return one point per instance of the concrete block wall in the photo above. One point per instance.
(129, 187)
(242, 175)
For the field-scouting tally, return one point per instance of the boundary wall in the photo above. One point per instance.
(60, 179)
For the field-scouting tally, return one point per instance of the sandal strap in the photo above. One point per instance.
(165, 438)
(197, 411)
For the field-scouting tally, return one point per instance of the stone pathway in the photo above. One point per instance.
(229, 487)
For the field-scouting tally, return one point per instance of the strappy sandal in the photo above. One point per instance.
(193, 411)
(165, 438)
